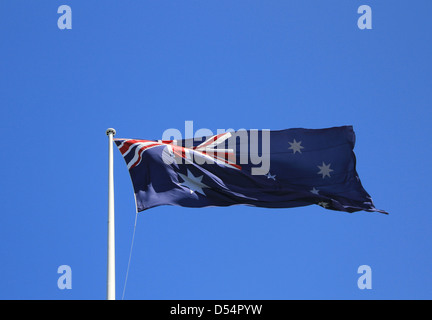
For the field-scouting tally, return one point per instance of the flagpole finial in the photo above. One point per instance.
(109, 131)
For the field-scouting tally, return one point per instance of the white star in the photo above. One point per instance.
(323, 204)
(315, 191)
(295, 146)
(269, 176)
(193, 183)
(325, 170)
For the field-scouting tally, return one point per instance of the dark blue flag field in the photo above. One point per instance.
(261, 168)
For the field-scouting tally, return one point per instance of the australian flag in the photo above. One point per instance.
(261, 168)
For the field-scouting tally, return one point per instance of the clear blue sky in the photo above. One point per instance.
(145, 66)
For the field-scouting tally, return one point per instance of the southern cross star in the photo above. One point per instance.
(323, 204)
(315, 191)
(295, 146)
(325, 170)
(269, 176)
(193, 183)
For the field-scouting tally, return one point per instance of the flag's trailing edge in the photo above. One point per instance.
(305, 166)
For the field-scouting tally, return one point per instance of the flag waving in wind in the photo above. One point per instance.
(262, 168)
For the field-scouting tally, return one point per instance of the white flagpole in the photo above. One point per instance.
(111, 239)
